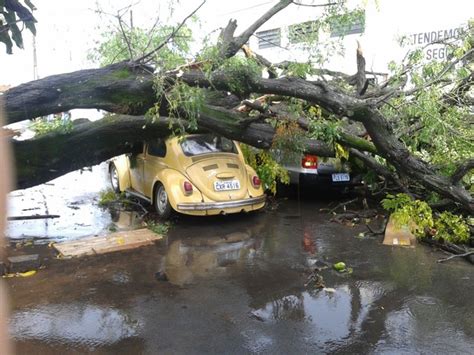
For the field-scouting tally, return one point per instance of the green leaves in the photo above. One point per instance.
(415, 214)
(240, 73)
(451, 228)
(267, 168)
(394, 203)
(112, 47)
(325, 130)
(13, 13)
(42, 126)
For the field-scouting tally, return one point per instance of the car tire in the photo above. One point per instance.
(114, 179)
(161, 202)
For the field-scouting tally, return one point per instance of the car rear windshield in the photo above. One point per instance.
(207, 143)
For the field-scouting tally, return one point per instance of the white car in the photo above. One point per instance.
(313, 170)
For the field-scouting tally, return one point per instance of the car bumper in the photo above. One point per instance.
(205, 206)
(324, 180)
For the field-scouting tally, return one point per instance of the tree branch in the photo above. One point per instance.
(146, 56)
(125, 37)
(462, 170)
(314, 5)
(232, 44)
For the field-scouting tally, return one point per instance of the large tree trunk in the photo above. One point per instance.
(127, 88)
(49, 156)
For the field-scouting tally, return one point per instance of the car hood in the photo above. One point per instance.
(208, 169)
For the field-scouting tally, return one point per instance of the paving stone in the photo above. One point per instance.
(23, 263)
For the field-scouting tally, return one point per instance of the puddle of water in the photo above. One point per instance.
(236, 285)
(72, 196)
(80, 324)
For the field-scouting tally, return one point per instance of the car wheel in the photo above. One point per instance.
(161, 202)
(114, 179)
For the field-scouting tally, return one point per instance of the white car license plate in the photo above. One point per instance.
(227, 185)
(340, 177)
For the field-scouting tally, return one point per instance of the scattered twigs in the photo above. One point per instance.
(457, 250)
(36, 216)
(455, 256)
(315, 278)
(343, 205)
(352, 215)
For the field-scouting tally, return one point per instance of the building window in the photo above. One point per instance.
(302, 32)
(269, 38)
(347, 24)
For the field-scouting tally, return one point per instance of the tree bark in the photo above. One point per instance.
(128, 88)
(46, 157)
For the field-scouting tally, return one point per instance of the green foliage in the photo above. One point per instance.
(415, 214)
(158, 228)
(394, 203)
(326, 130)
(289, 138)
(418, 216)
(268, 170)
(42, 126)
(241, 72)
(342, 22)
(185, 99)
(184, 104)
(433, 108)
(300, 70)
(107, 197)
(112, 46)
(451, 228)
(12, 14)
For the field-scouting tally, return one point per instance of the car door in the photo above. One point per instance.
(137, 166)
(156, 152)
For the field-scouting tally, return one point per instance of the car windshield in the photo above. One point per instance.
(207, 143)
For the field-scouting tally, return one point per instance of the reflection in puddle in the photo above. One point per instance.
(333, 316)
(85, 325)
(328, 313)
(126, 220)
(199, 257)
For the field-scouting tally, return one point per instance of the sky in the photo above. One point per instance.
(66, 30)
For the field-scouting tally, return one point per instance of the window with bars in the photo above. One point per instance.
(347, 24)
(302, 31)
(268, 39)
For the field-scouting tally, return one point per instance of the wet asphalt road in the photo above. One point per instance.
(236, 284)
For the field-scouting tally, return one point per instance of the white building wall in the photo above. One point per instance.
(386, 22)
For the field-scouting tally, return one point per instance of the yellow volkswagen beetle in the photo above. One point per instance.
(199, 174)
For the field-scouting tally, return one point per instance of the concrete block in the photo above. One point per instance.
(23, 263)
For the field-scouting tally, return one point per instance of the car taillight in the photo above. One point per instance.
(256, 181)
(309, 161)
(188, 188)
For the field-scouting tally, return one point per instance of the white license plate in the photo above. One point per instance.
(340, 177)
(227, 185)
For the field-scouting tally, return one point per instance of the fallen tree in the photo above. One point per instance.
(133, 87)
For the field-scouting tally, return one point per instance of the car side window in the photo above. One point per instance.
(137, 148)
(157, 148)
